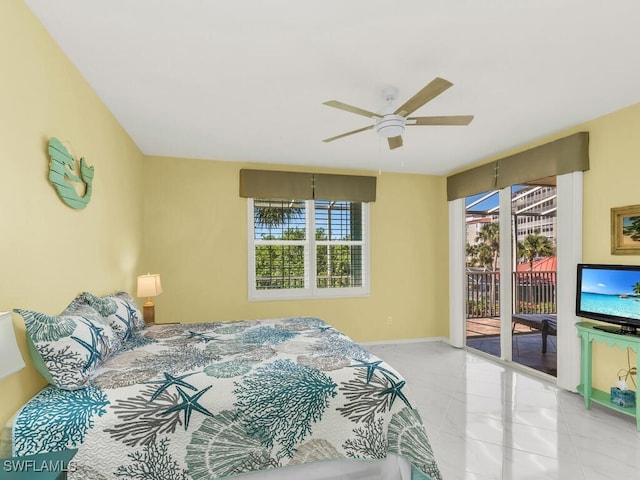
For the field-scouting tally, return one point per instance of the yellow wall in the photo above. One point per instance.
(49, 252)
(195, 227)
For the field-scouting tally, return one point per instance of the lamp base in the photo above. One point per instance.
(149, 313)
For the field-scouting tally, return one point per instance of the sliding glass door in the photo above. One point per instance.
(482, 268)
(534, 275)
(511, 298)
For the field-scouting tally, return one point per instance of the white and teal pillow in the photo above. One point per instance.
(104, 306)
(120, 321)
(128, 310)
(67, 348)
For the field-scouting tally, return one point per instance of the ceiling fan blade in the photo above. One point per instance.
(347, 134)
(446, 120)
(431, 91)
(394, 142)
(351, 108)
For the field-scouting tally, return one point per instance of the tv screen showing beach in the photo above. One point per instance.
(611, 292)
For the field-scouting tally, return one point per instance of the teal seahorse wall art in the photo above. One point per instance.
(62, 176)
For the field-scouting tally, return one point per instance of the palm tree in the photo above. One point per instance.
(480, 255)
(272, 213)
(489, 235)
(636, 288)
(534, 246)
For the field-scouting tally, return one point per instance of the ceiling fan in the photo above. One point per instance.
(390, 123)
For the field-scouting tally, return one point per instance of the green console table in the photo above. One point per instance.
(588, 335)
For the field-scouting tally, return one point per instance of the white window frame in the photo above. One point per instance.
(310, 289)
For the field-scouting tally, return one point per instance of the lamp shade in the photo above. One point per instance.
(10, 357)
(149, 285)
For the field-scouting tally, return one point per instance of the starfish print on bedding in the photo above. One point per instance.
(395, 391)
(372, 367)
(94, 352)
(168, 381)
(201, 336)
(131, 312)
(127, 324)
(189, 404)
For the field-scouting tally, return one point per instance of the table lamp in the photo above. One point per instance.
(10, 357)
(149, 286)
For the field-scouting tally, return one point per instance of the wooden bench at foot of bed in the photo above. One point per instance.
(545, 322)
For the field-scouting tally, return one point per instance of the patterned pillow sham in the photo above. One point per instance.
(104, 306)
(128, 310)
(67, 348)
(120, 322)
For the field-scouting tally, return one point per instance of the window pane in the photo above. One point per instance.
(534, 294)
(288, 237)
(338, 220)
(279, 266)
(338, 266)
(279, 220)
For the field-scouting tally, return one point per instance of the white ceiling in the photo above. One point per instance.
(244, 80)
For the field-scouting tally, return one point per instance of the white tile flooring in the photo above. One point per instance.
(489, 421)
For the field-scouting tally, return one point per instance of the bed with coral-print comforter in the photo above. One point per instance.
(214, 400)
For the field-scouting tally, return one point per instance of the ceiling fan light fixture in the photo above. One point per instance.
(390, 122)
(390, 125)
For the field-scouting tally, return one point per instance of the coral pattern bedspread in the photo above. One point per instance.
(211, 400)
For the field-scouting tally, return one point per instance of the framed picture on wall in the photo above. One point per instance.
(625, 230)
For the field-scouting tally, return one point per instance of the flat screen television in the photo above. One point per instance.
(611, 294)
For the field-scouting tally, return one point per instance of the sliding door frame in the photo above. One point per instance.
(569, 254)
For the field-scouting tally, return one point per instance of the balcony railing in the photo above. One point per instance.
(532, 292)
(483, 294)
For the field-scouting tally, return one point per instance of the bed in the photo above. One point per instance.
(265, 399)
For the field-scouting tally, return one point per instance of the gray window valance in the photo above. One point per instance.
(306, 186)
(277, 185)
(565, 155)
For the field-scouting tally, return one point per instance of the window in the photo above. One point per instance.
(307, 249)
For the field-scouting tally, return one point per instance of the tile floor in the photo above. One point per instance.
(488, 421)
